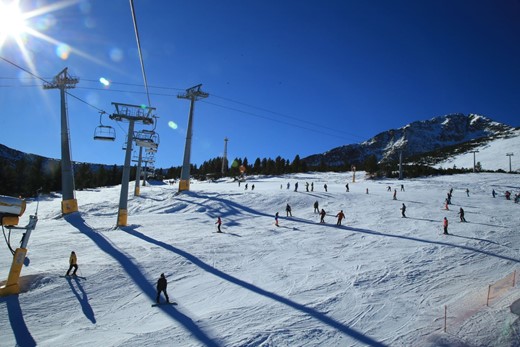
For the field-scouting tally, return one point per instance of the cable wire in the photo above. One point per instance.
(140, 51)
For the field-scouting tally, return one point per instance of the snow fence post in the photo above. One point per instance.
(489, 290)
(514, 278)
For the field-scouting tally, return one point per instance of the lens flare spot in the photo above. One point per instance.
(63, 51)
(172, 125)
(104, 81)
(116, 55)
(234, 164)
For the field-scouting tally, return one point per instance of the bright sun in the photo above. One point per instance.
(12, 21)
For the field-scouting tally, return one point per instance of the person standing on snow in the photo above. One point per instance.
(402, 187)
(467, 192)
(73, 262)
(218, 223)
(445, 225)
(307, 186)
(403, 210)
(322, 216)
(340, 216)
(276, 219)
(316, 208)
(288, 210)
(296, 187)
(493, 193)
(161, 287)
(461, 214)
(395, 194)
(346, 187)
(325, 186)
(312, 186)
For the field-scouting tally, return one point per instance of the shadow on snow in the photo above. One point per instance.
(21, 332)
(311, 312)
(83, 299)
(136, 275)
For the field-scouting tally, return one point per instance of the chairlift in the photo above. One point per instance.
(104, 132)
(147, 139)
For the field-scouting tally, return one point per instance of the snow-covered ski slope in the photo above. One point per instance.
(378, 280)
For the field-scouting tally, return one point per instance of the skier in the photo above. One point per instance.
(312, 186)
(296, 187)
(367, 190)
(288, 185)
(402, 187)
(508, 195)
(307, 186)
(395, 194)
(246, 187)
(448, 199)
(322, 216)
(218, 223)
(253, 187)
(467, 192)
(316, 209)
(288, 210)
(493, 193)
(446, 205)
(325, 186)
(445, 225)
(461, 214)
(276, 219)
(388, 188)
(340, 216)
(73, 261)
(403, 210)
(161, 287)
(346, 186)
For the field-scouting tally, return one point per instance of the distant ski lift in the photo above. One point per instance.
(104, 132)
(148, 139)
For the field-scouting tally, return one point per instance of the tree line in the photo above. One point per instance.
(25, 176)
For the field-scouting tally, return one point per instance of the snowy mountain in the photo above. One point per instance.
(415, 139)
(377, 280)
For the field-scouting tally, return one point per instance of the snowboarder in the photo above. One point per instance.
(325, 186)
(461, 214)
(296, 187)
(322, 216)
(340, 216)
(403, 210)
(395, 194)
(493, 193)
(402, 187)
(276, 219)
(161, 287)
(346, 186)
(316, 208)
(445, 225)
(218, 223)
(73, 262)
(467, 192)
(288, 210)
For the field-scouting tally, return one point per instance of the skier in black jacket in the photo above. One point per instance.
(161, 287)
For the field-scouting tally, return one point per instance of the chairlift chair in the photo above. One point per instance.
(104, 132)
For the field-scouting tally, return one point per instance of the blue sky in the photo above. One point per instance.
(284, 77)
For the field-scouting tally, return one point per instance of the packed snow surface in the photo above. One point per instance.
(378, 280)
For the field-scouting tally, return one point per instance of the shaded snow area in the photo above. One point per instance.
(377, 280)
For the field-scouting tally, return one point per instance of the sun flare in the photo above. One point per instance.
(12, 21)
